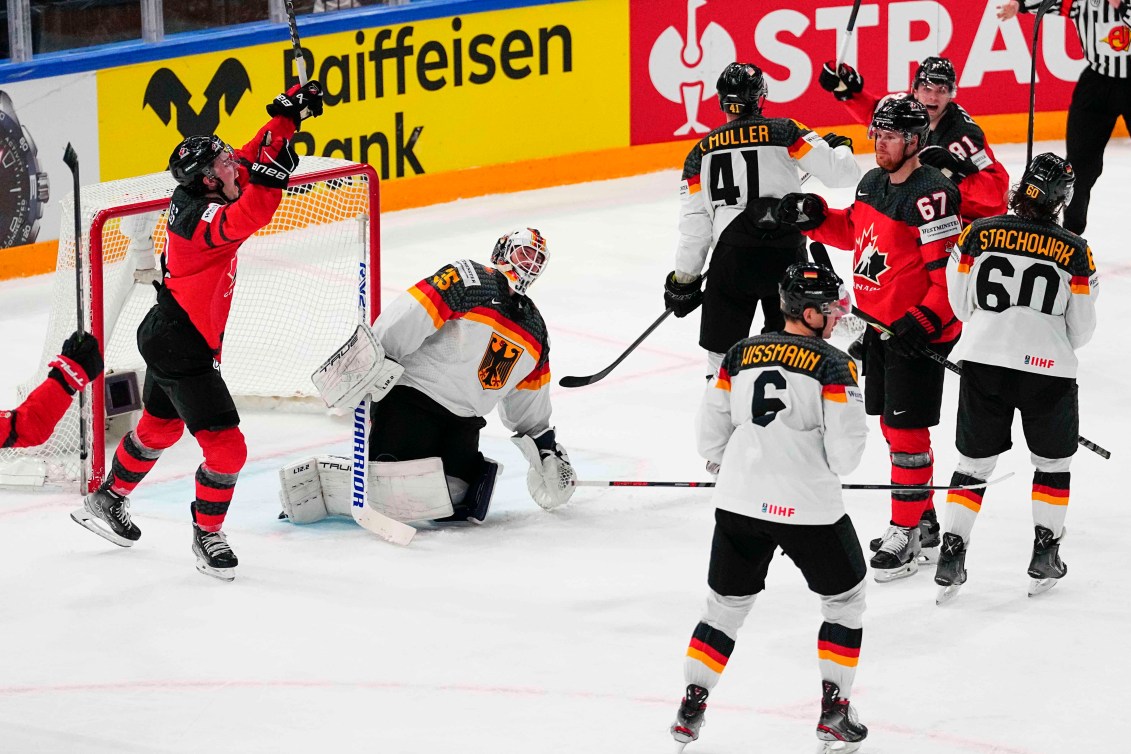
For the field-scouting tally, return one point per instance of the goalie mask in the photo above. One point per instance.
(521, 256)
(191, 161)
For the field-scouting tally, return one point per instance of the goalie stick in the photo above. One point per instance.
(902, 487)
(71, 158)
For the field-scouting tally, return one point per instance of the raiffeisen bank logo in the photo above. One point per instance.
(684, 67)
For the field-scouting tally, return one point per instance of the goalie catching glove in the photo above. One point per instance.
(357, 369)
(550, 478)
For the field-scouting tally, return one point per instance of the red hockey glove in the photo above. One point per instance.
(273, 171)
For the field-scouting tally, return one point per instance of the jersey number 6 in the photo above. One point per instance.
(764, 410)
(997, 296)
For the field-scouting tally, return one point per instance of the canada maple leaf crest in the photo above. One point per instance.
(871, 262)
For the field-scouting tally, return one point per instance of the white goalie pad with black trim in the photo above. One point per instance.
(404, 491)
(357, 369)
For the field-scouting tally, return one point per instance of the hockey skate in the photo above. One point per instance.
(839, 729)
(1046, 567)
(929, 539)
(898, 556)
(951, 572)
(690, 716)
(214, 557)
(108, 516)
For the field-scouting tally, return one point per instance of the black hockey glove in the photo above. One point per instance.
(79, 363)
(844, 82)
(948, 162)
(913, 331)
(299, 102)
(683, 298)
(836, 140)
(274, 172)
(805, 211)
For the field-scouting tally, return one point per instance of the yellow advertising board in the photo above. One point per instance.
(483, 89)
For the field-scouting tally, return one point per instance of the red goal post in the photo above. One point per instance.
(295, 300)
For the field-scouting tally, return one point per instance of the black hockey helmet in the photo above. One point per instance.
(191, 160)
(904, 116)
(1048, 181)
(936, 71)
(741, 88)
(808, 285)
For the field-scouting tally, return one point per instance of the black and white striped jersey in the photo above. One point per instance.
(1105, 32)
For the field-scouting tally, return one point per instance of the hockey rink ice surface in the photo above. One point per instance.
(565, 631)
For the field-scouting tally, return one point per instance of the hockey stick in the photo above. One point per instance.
(1041, 11)
(902, 487)
(300, 61)
(364, 514)
(847, 35)
(940, 359)
(71, 158)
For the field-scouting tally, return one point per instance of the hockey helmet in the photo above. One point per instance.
(521, 255)
(1048, 181)
(904, 116)
(192, 160)
(741, 88)
(935, 71)
(808, 285)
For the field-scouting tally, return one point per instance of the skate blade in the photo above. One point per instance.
(929, 556)
(1040, 586)
(838, 747)
(83, 518)
(947, 593)
(223, 574)
(894, 574)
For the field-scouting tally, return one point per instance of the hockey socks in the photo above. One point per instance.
(707, 656)
(224, 455)
(913, 465)
(1050, 500)
(838, 649)
(963, 506)
(135, 457)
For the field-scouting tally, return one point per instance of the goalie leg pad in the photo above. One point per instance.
(301, 492)
(410, 490)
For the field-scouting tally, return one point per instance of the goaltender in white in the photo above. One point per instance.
(437, 360)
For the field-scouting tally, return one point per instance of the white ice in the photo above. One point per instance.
(564, 631)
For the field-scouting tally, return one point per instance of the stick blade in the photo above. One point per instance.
(569, 381)
(71, 157)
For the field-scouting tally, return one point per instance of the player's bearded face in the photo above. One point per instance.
(891, 149)
(935, 97)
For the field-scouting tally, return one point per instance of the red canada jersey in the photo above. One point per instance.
(986, 184)
(900, 236)
(34, 421)
(205, 235)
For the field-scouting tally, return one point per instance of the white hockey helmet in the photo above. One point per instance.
(521, 255)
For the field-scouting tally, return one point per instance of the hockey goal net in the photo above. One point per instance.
(298, 289)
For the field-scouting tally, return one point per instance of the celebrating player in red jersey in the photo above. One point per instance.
(222, 199)
(955, 144)
(35, 419)
(904, 217)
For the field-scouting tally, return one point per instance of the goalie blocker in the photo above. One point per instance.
(358, 369)
(405, 491)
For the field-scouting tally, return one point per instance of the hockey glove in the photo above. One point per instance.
(805, 211)
(948, 162)
(274, 171)
(299, 102)
(844, 82)
(550, 476)
(913, 331)
(78, 364)
(836, 140)
(682, 297)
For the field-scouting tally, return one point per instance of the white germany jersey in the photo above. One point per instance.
(469, 344)
(1026, 292)
(740, 170)
(784, 418)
